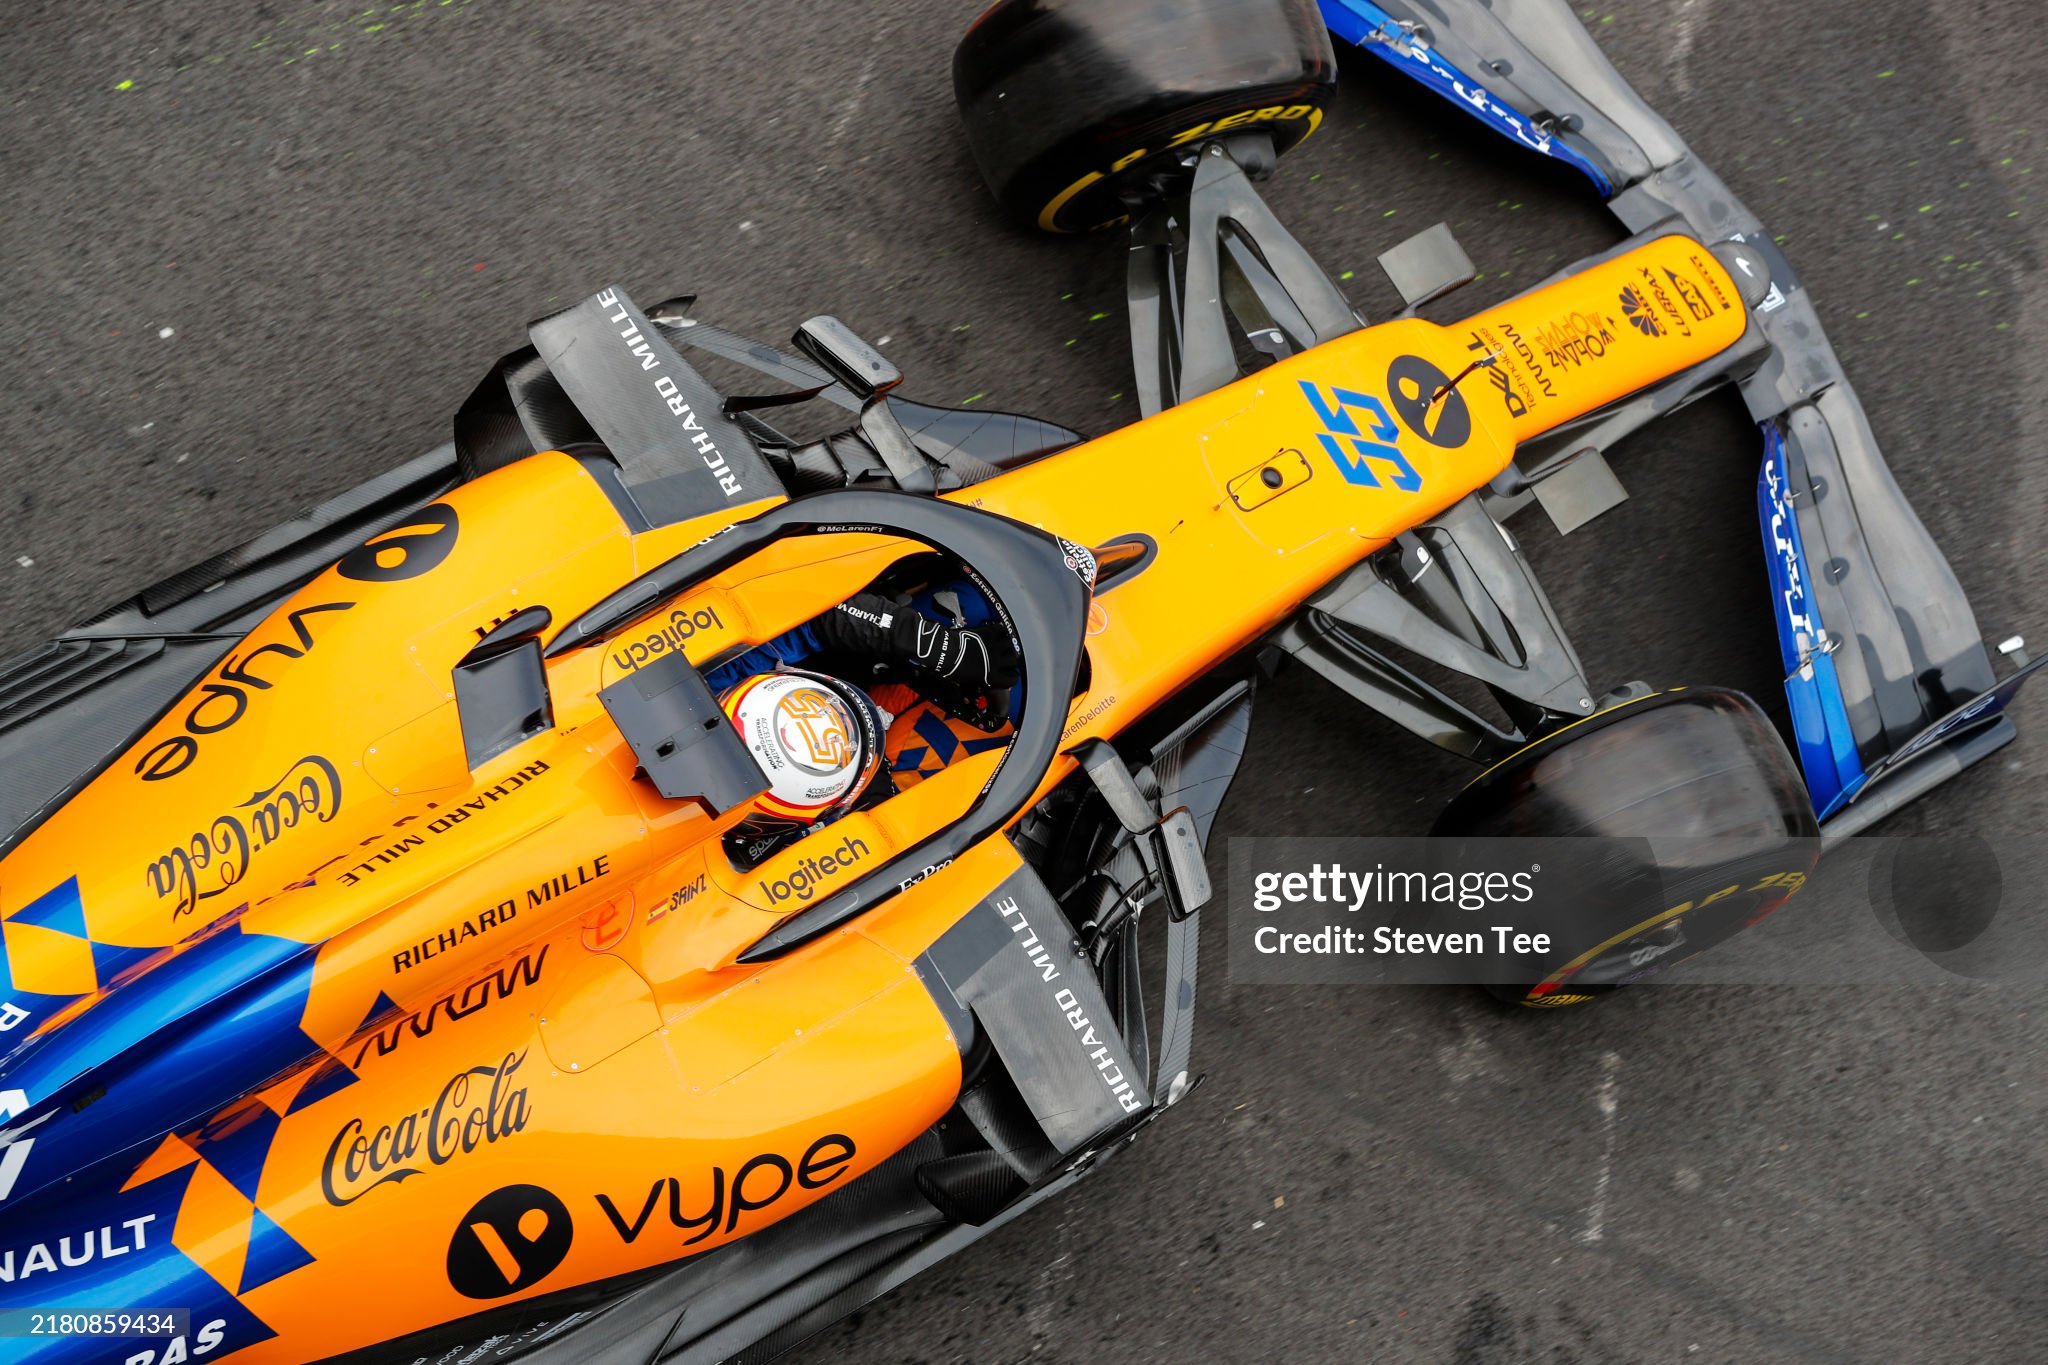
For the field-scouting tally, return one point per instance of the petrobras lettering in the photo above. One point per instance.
(1483, 103)
(1027, 939)
(682, 625)
(176, 1350)
(223, 700)
(1100, 1055)
(103, 1243)
(714, 1203)
(1408, 44)
(475, 1108)
(215, 858)
(671, 393)
(802, 881)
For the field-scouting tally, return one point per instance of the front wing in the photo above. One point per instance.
(1890, 687)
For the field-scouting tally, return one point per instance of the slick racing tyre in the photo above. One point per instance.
(1720, 825)
(1076, 109)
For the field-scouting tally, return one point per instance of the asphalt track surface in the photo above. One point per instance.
(258, 250)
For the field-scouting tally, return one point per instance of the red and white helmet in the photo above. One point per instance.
(816, 738)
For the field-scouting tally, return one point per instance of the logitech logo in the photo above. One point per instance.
(668, 639)
(802, 882)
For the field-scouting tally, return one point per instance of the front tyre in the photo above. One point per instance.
(1079, 109)
(1701, 778)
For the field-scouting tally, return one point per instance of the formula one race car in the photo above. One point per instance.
(386, 975)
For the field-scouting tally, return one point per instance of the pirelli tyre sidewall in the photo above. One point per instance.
(1074, 108)
(1703, 779)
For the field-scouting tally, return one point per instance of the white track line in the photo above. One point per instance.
(1607, 1098)
(1686, 26)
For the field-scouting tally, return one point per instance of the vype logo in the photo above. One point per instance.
(511, 1238)
(222, 701)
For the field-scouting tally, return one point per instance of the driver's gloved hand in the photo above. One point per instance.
(967, 669)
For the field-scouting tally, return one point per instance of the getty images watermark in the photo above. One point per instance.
(1412, 911)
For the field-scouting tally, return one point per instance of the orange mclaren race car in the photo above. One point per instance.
(408, 956)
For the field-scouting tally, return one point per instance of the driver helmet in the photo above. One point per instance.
(816, 738)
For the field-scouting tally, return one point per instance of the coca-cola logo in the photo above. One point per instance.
(214, 859)
(476, 1107)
